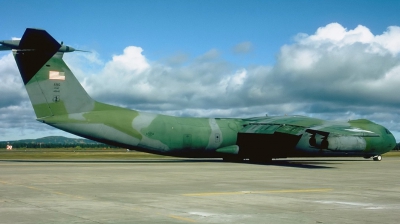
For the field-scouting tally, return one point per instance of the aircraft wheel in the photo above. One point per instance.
(377, 158)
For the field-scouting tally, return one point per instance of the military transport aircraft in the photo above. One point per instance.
(59, 100)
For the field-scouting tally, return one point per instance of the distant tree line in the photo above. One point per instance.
(34, 144)
(54, 145)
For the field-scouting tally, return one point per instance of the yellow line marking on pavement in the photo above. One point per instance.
(43, 190)
(259, 192)
(138, 209)
(69, 195)
(33, 188)
(181, 218)
(50, 163)
(83, 198)
(15, 164)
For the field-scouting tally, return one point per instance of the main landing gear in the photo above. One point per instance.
(375, 158)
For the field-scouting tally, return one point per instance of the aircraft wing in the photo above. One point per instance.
(297, 126)
(341, 131)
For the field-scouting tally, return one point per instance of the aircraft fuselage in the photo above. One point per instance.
(202, 137)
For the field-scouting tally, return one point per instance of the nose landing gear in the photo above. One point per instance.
(377, 158)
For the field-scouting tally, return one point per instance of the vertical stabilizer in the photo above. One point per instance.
(52, 87)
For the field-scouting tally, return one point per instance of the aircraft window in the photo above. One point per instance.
(387, 131)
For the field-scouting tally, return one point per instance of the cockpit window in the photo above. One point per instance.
(387, 131)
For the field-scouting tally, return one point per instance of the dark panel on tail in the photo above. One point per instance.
(35, 49)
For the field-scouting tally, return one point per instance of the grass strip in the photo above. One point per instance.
(93, 153)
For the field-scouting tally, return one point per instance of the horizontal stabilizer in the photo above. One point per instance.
(5, 48)
(7, 45)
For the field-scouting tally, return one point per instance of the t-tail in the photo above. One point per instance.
(51, 86)
(59, 100)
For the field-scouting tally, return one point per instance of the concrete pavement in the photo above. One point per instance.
(333, 190)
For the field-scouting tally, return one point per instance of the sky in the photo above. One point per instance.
(334, 60)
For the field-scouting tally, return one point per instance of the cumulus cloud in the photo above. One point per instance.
(176, 60)
(17, 118)
(11, 87)
(340, 65)
(335, 73)
(336, 65)
(243, 48)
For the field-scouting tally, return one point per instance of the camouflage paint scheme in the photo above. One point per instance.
(59, 100)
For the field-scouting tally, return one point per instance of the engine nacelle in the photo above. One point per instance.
(338, 143)
(347, 143)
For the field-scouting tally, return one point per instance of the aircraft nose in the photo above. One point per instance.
(390, 141)
(393, 143)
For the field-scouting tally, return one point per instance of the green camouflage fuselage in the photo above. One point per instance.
(202, 137)
(162, 134)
